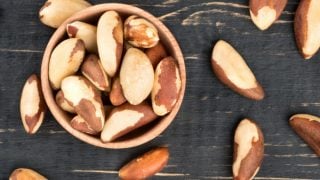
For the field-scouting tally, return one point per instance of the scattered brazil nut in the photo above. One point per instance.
(85, 99)
(116, 94)
(110, 41)
(231, 69)
(140, 32)
(81, 125)
(136, 76)
(32, 105)
(26, 174)
(308, 128)
(166, 86)
(86, 32)
(92, 69)
(63, 104)
(156, 54)
(65, 60)
(307, 27)
(126, 118)
(265, 12)
(248, 150)
(54, 12)
(146, 165)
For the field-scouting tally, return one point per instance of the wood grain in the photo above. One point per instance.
(201, 136)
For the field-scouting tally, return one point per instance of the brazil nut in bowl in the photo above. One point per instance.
(113, 76)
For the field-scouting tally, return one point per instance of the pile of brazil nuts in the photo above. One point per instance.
(123, 61)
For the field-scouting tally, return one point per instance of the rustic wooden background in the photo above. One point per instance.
(200, 138)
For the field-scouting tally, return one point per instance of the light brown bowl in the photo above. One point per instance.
(92, 14)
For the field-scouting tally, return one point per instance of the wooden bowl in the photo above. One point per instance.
(91, 15)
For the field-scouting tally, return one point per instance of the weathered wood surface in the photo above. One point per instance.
(200, 138)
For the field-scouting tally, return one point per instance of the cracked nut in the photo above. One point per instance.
(146, 165)
(248, 150)
(166, 87)
(136, 76)
(110, 41)
(85, 99)
(32, 105)
(93, 71)
(65, 60)
(140, 32)
(308, 128)
(116, 94)
(85, 32)
(126, 118)
(54, 12)
(26, 174)
(231, 69)
(265, 12)
(307, 27)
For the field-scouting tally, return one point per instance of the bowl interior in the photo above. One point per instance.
(137, 137)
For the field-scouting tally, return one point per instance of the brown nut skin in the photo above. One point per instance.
(110, 41)
(306, 27)
(308, 128)
(146, 165)
(85, 99)
(92, 69)
(63, 104)
(65, 60)
(85, 32)
(26, 174)
(265, 12)
(32, 105)
(231, 69)
(126, 118)
(156, 54)
(81, 125)
(136, 76)
(116, 94)
(140, 32)
(166, 86)
(248, 150)
(54, 12)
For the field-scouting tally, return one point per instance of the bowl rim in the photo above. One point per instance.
(61, 117)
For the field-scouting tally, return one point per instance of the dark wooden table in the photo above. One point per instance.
(200, 138)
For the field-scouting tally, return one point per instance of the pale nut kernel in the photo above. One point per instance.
(136, 76)
(156, 54)
(140, 32)
(92, 69)
(86, 32)
(32, 105)
(26, 174)
(116, 94)
(308, 128)
(126, 118)
(110, 41)
(265, 12)
(54, 12)
(146, 165)
(63, 104)
(232, 70)
(307, 27)
(166, 86)
(85, 99)
(65, 60)
(248, 150)
(81, 125)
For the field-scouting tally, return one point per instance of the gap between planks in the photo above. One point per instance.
(20, 50)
